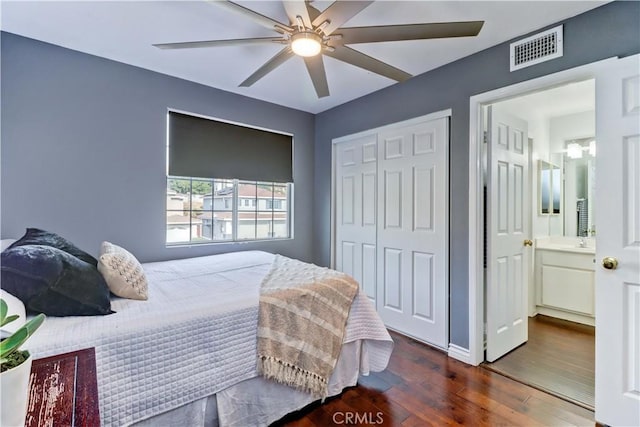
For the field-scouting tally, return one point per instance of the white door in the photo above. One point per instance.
(508, 227)
(356, 182)
(413, 230)
(617, 220)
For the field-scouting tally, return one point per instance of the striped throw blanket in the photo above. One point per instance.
(303, 312)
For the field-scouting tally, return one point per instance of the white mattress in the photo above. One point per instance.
(194, 337)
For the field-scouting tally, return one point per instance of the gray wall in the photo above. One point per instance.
(607, 31)
(83, 150)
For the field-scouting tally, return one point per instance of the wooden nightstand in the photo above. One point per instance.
(63, 391)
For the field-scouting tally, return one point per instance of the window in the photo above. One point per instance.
(207, 210)
(275, 204)
(254, 205)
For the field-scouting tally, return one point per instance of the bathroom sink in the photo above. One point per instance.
(585, 245)
(567, 248)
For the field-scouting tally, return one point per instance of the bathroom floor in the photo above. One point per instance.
(559, 358)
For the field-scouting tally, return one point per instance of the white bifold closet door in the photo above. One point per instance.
(355, 198)
(392, 223)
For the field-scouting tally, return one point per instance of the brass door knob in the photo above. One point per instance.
(609, 263)
(528, 242)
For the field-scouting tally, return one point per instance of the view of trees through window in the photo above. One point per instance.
(218, 210)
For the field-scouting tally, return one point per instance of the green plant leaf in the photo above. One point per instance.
(32, 325)
(12, 343)
(9, 319)
(3, 312)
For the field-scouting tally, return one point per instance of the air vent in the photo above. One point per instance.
(536, 49)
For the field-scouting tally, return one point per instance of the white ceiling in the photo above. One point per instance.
(125, 31)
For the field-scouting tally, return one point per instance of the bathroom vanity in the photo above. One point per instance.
(564, 275)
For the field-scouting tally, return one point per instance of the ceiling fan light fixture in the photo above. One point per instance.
(306, 43)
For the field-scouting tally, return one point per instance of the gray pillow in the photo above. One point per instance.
(51, 281)
(36, 236)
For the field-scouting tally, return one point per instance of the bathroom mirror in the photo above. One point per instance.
(550, 188)
(579, 175)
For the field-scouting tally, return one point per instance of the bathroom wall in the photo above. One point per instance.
(539, 138)
(539, 132)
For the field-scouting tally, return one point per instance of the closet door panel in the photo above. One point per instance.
(392, 267)
(413, 199)
(422, 286)
(392, 196)
(369, 270)
(369, 199)
(355, 210)
(423, 195)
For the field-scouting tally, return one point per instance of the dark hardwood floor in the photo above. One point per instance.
(424, 387)
(559, 357)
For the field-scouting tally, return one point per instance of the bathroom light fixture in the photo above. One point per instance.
(574, 151)
(306, 43)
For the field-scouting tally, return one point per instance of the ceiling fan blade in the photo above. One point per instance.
(280, 58)
(256, 17)
(359, 59)
(385, 33)
(313, 12)
(218, 43)
(297, 8)
(315, 66)
(338, 13)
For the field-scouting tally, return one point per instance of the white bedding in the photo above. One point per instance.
(194, 337)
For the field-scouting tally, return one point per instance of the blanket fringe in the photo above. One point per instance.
(291, 375)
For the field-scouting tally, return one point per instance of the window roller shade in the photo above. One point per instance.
(207, 148)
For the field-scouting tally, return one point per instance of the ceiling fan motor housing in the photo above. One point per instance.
(306, 43)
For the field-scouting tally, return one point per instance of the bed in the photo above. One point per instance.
(187, 355)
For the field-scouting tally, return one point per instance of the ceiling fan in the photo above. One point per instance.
(312, 33)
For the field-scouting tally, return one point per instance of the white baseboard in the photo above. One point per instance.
(459, 353)
(565, 315)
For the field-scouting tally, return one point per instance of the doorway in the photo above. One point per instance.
(617, 270)
(540, 291)
(558, 358)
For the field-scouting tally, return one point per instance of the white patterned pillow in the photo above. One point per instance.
(122, 272)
